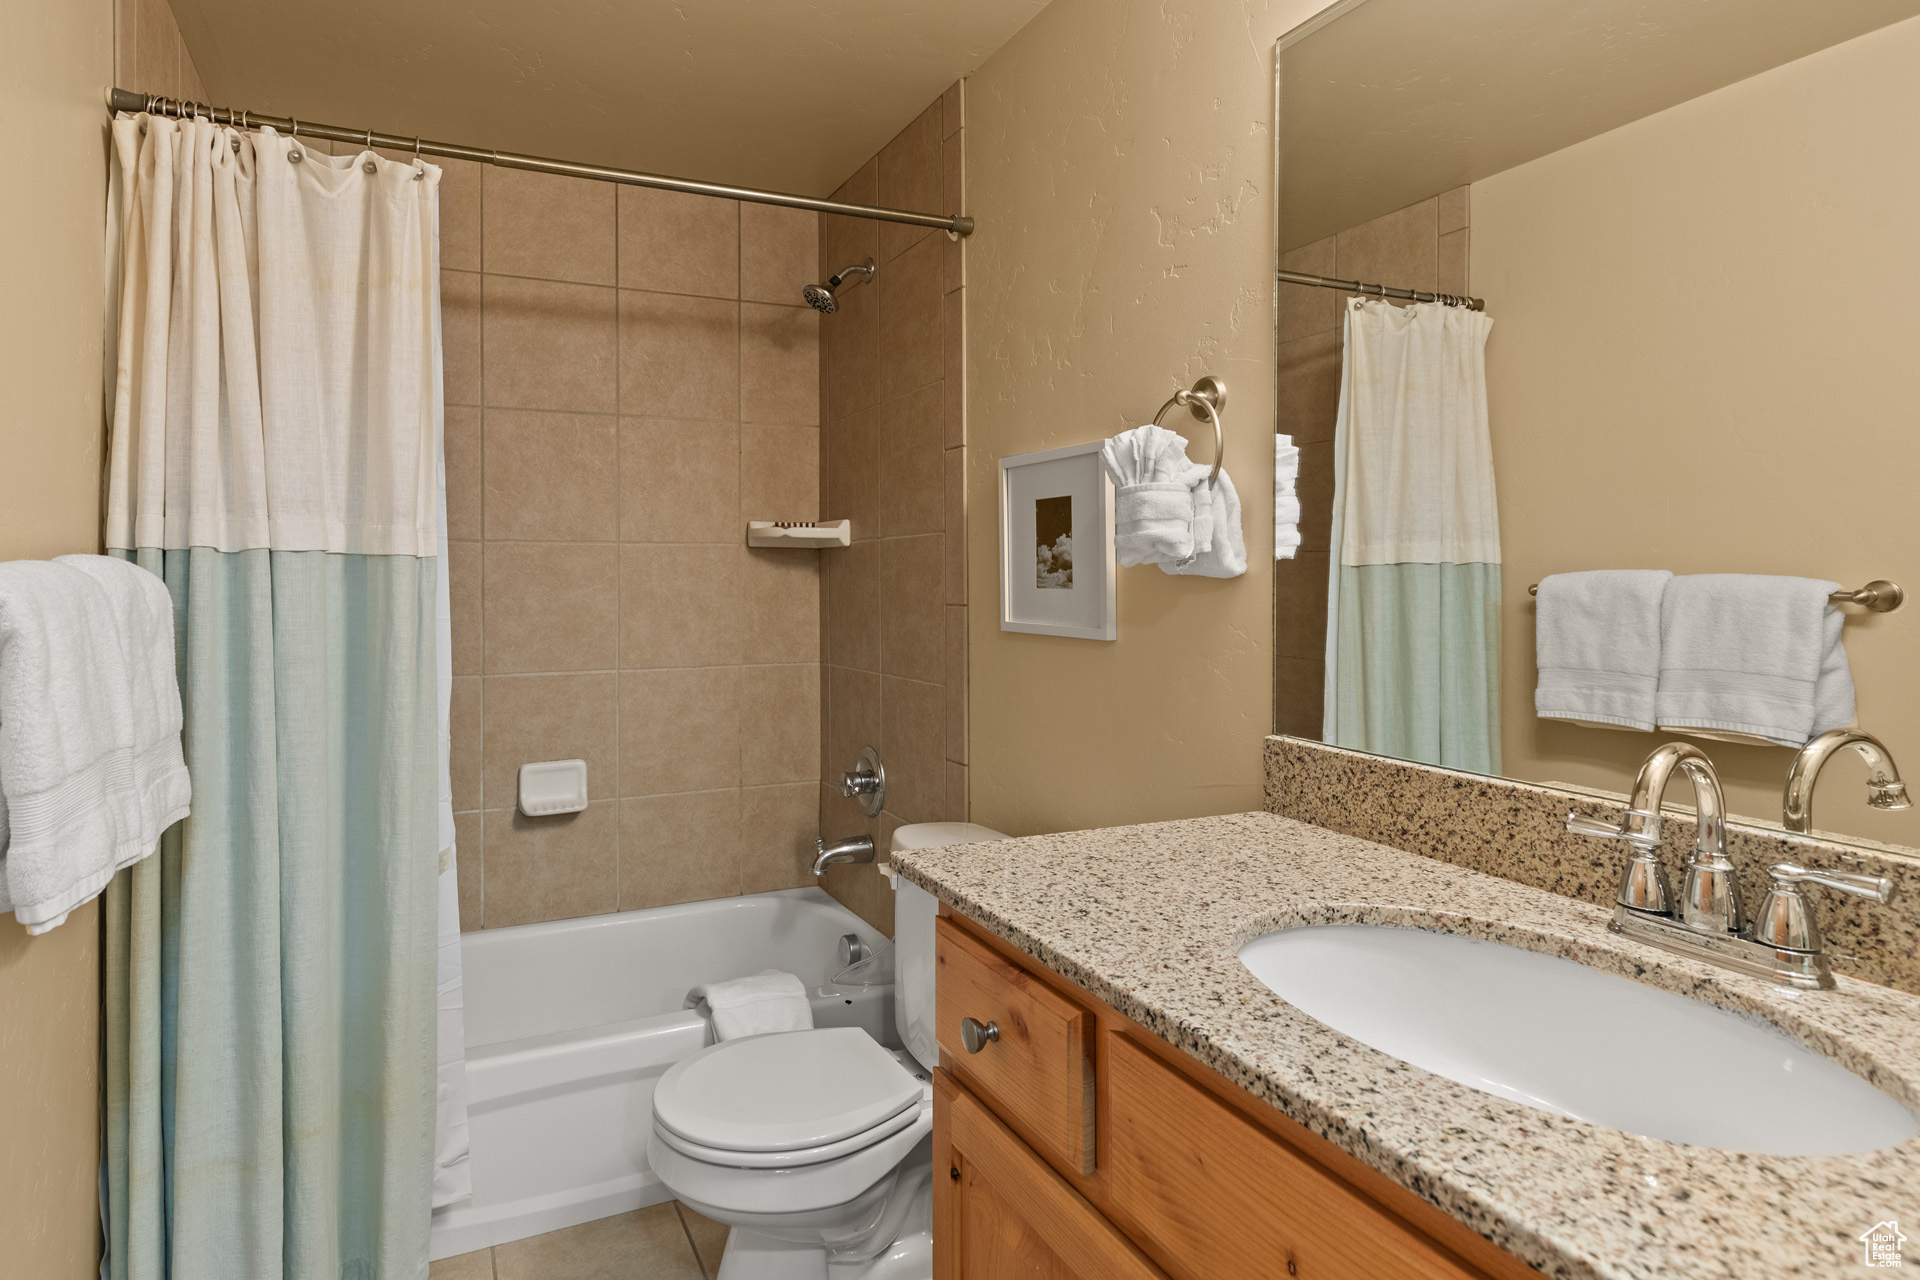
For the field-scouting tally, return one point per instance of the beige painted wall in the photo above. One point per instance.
(55, 60)
(1703, 358)
(1119, 163)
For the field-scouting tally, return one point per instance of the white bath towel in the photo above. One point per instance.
(90, 767)
(768, 1001)
(1219, 541)
(1597, 647)
(1754, 657)
(1153, 501)
(1286, 502)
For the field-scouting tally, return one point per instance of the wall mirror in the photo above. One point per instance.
(1693, 229)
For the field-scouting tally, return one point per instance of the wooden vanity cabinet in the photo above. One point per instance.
(1177, 1172)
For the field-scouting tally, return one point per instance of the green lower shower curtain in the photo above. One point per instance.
(270, 983)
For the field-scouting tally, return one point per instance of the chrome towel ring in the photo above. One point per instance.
(1204, 401)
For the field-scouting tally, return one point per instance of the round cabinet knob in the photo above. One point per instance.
(974, 1036)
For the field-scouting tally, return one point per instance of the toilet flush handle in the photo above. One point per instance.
(974, 1036)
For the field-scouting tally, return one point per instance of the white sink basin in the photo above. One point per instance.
(1556, 1035)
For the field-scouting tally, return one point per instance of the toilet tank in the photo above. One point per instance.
(913, 914)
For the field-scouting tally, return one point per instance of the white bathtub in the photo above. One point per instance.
(571, 1024)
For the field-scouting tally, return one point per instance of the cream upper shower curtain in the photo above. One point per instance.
(1413, 634)
(273, 1023)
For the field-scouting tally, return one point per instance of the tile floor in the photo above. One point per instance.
(664, 1242)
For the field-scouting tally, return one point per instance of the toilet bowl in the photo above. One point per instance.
(816, 1147)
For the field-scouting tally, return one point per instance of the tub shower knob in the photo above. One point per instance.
(975, 1036)
(867, 783)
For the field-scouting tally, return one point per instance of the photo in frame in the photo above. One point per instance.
(1057, 571)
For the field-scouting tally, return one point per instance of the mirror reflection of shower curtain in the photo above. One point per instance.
(1413, 593)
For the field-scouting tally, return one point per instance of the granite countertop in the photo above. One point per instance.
(1149, 918)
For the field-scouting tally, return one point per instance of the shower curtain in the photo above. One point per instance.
(273, 1007)
(1413, 608)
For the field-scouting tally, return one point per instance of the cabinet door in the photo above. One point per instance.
(1000, 1213)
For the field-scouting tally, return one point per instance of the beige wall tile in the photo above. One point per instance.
(548, 717)
(852, 464)
(1299, 695)
(679, 481)
(853, 718)
(679, 356)
(1309, 386)
(779, 724)
(779, 472)
(1400, 249)
(464, 566)
(551, 476)
(912, 463)
(467, 730)
(679, 243)
(912, 167)
(1452, 214)
(850, 240)
(680, 606)
(460, 336)
(912, 718)
(779, 253)
(549, 346)
(126, 43)
(156, 56)
(956, 684)
(851, 347)
(911, 330)
(953, 354)
(470, 863)
(551, 606)
(1300, 606)
(679, 848)
(953, 251)
(1305, 309)
(1450, 272)
(463, 471)
(1315, 490)
(853, 586)
(550, 868)
(778, 826)
(950, 109)
(780, 605)
(679, 730)
(540, 224)
(460, 186)
(956, 562)
(647, 1244)
(956, 792)
(779, 363)
(913, 607)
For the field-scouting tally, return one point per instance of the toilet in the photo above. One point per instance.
(816, 1147)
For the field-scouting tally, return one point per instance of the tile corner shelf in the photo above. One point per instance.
(799, 536)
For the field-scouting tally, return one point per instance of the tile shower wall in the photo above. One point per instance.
(894, 619)
(148, 54)
(630, 377)
(1423, 246)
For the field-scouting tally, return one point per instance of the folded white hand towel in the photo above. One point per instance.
(1286, 503)
(768, 1001)
(1597, 647)
(1153, 501)
(1753, 655)
(90, 766)
(1219, 542)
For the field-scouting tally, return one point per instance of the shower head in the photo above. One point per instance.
(821, 297)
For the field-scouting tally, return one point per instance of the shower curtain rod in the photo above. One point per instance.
(956, 224)
(1379, 290)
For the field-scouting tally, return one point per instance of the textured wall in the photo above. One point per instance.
(1120, 161)
(55, 60)
(895, 606)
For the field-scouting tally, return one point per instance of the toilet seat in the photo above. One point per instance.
(785, 1098)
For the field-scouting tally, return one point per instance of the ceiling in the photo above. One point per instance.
(791, 95)
(1386, 102)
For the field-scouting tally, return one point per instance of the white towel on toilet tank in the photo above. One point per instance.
(768, 1001)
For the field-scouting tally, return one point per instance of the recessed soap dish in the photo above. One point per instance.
(797, 534)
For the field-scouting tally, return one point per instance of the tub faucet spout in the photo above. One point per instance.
(853, 849)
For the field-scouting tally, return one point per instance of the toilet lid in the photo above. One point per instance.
(784, 1092)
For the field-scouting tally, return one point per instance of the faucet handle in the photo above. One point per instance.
(1786, 918)
(1876, 887)
(1581, 825)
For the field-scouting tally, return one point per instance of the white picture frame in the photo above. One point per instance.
(1041, 495)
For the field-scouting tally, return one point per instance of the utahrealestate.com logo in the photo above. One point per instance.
(1882, 1244)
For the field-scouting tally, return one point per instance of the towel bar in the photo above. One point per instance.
(1205, 401)
(1878, 596)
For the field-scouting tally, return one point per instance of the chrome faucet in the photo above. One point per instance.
(852, 849)
(1885, 790)
(1783, 942)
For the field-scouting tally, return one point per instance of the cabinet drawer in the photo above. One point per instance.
(1039, 1073)
(1212, 1195)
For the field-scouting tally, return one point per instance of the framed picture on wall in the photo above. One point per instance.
(1056, 544)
